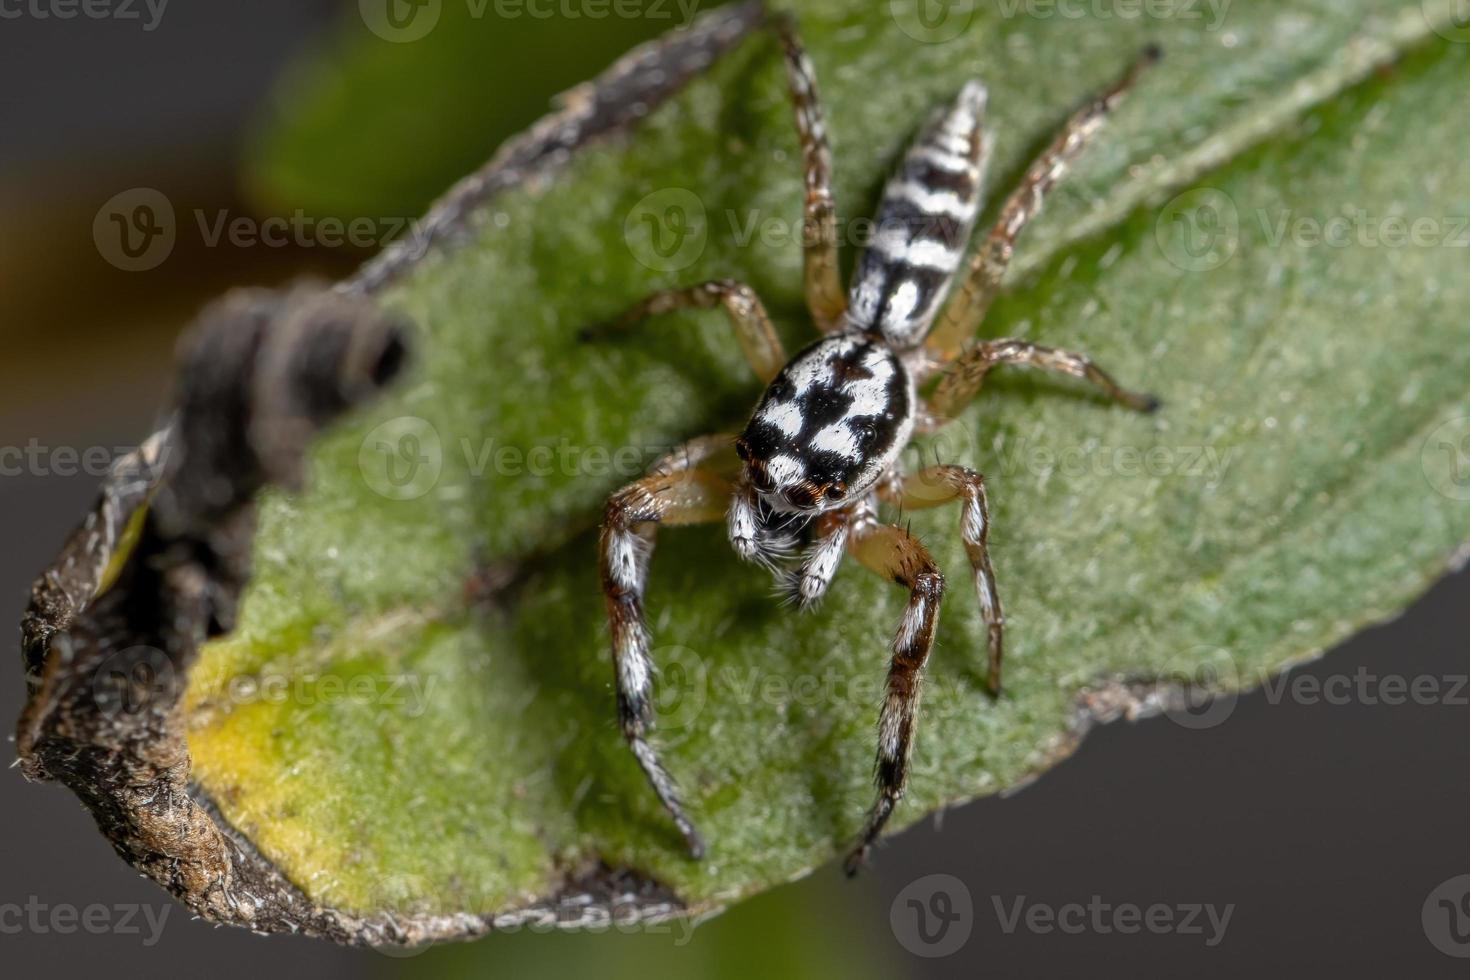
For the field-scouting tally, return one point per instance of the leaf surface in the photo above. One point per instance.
(396, 727)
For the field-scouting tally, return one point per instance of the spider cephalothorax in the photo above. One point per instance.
(821, 451)
(830, 424)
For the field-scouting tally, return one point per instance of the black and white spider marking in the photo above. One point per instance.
(821, 451)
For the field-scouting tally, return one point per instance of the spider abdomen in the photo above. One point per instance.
(923, 225)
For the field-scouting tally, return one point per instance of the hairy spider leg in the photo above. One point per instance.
(824, 295)
(689, 486)
(900, 557)
(944, 484)
(962, 383)
(747, 315)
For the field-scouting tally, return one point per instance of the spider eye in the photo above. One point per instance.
(836, 491)
(742, 450)
(865, 432)
(781, 389)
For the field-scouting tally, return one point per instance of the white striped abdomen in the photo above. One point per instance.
(923, 226)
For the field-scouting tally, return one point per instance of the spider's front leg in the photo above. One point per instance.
(899, 557)
(819, 565)
(692, 485)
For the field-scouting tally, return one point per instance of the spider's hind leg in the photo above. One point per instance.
(689, 486)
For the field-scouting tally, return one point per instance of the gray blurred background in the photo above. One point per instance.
(1323, 827)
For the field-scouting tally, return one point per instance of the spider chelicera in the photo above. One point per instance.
(821, 451)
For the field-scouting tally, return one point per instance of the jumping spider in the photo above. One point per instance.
(822, 448)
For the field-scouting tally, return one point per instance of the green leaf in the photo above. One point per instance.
(392, 730)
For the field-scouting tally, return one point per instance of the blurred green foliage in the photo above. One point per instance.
(363, 126)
